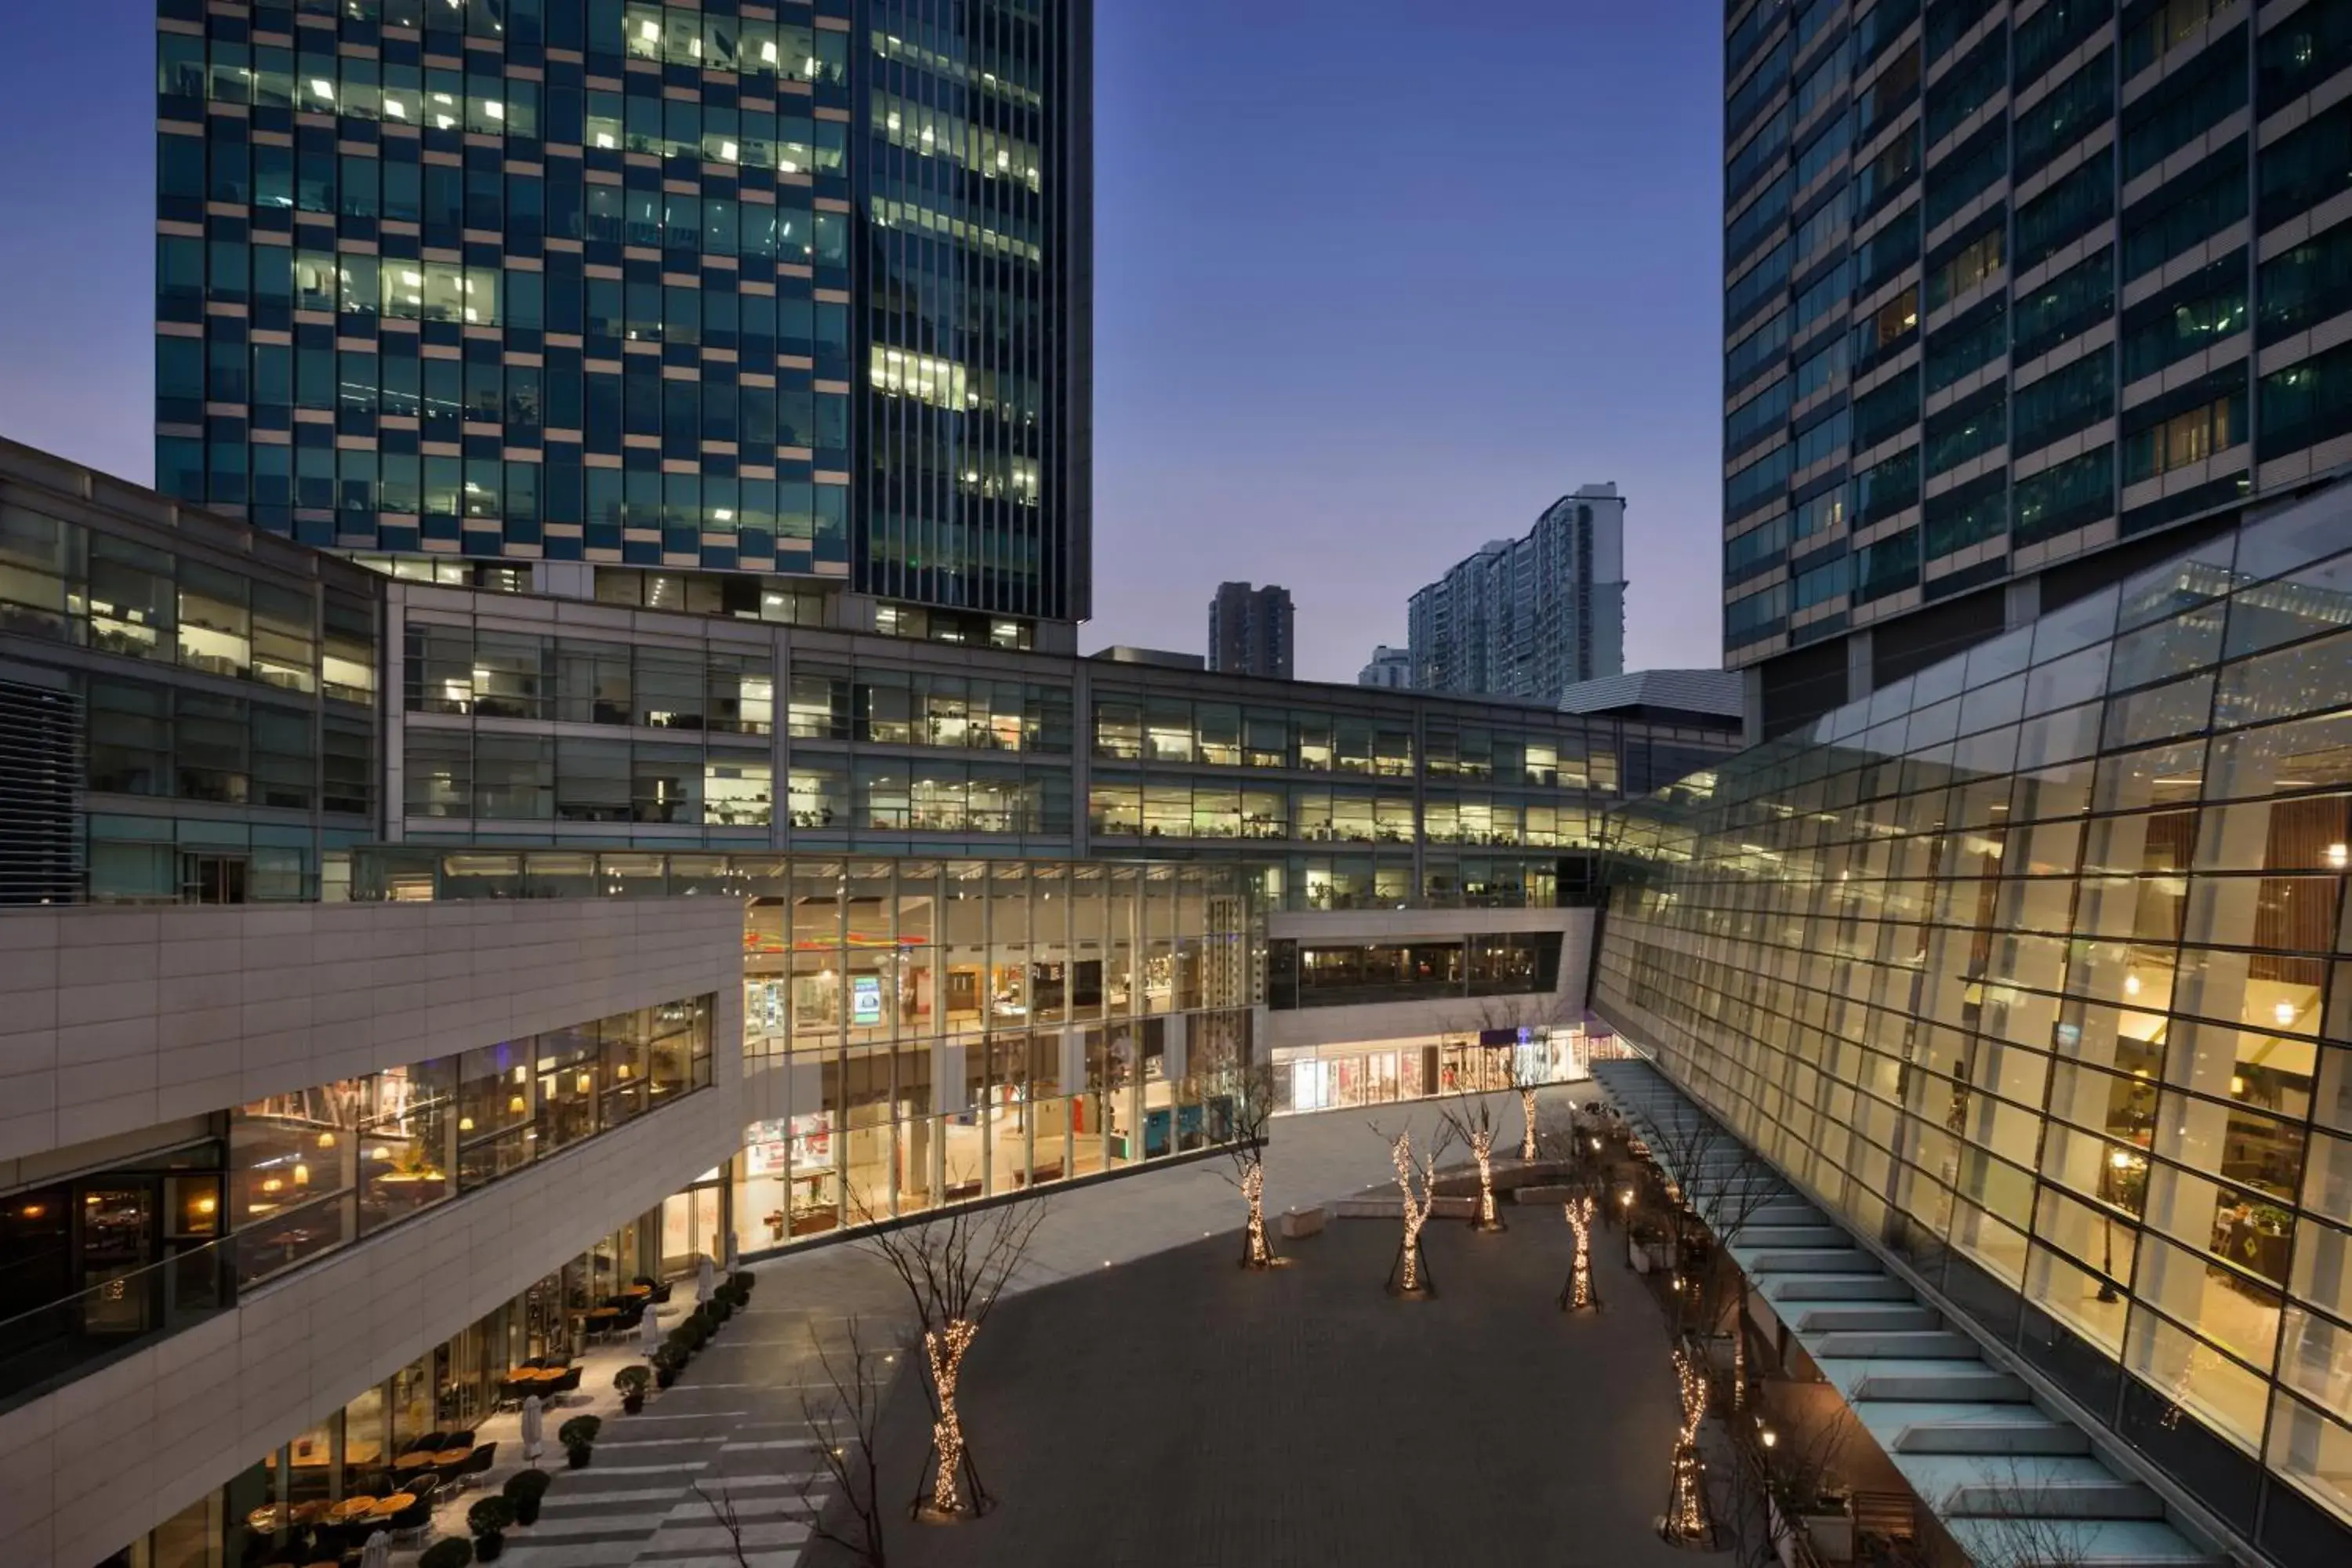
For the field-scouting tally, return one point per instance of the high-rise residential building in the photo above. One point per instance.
(1250, 630)
(2016, 300)
(2027, 972)
(1529, 616)
(567, 292)
(1390, 667)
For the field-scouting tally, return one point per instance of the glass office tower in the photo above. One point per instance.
(795, 291)
(2017, 299)
(2034, 966)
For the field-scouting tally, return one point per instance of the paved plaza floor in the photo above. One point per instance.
(1162, 1406)
(1179, 1410)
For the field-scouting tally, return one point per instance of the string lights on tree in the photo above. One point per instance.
(944, 1349)
(1247, 1151)
(1580, 1296)
(1416, 1178)
(1474, 1123)
(1685, 1523)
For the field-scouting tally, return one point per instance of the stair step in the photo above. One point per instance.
(2106, 1498)
(2028, 1433)
(1813, 1260)
(1757, 1237)
(1956, 1384)
(1868, 1317)
(1801, 1287)
(2079, 1544)
(1925, 1344)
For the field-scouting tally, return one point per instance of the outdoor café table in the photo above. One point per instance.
(453, 1456)
(393, 1504)
(350, 1509)
(415, 1462)
(275, 1515)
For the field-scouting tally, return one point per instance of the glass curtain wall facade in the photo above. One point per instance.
(526, 723)
(218, 693)
(2004, 284)
(2035, 965)
(974, 288)
(930, 1030)
(598, 281)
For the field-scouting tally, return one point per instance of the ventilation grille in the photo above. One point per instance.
(41, 774)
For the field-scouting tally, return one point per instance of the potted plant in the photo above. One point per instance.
(742, 1280)
(578, 1437)
(524, 1488)
(668, 1361)
(631, 1382)
(490, 1518)
(450, 1552)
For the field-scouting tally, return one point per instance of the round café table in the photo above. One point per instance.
(415, 1462)
(350, 1509)
(387, 1506)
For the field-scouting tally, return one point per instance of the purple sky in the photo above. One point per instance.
(1375, 283)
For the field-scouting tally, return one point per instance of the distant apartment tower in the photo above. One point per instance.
(1390, 667)
(1529, 616)
(2018, 299)
(1249, 630)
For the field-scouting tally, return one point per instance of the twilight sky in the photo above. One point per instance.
(1373, 284)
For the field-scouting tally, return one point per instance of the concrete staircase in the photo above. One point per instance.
(2012, 1483)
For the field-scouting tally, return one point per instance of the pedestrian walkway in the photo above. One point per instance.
(734, 1426)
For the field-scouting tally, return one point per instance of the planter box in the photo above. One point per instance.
(1301, 1222)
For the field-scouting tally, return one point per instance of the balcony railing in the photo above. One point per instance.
(53, 1344)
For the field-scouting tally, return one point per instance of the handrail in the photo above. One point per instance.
(46, 1346)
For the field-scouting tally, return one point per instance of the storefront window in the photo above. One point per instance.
(494, 1112)
(568, 1063)
(404, 1147)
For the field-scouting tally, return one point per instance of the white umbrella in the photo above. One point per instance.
(649, 1333)
(377, 1553)
(534, 1429)
(705, 1279)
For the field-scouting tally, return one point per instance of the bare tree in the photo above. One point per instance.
(1580, 1294)
(843, 1417)
(954, 1264)
(1722, 1186)
(2016, 1520)
(1470, 1119)
(722, 1510)
(1517, 1015)
(1253, 1114)
(1409, 1276)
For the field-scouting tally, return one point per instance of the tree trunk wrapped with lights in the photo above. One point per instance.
(1410, 1275)
(954, 1263)
(1528, 1121)
(1255, 1253)
(1474, 1123)
(1685, 1523)
(944, 1350)
(1580, 1296)
(1245, 1147)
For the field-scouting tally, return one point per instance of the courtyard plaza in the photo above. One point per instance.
(1137, 1398)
